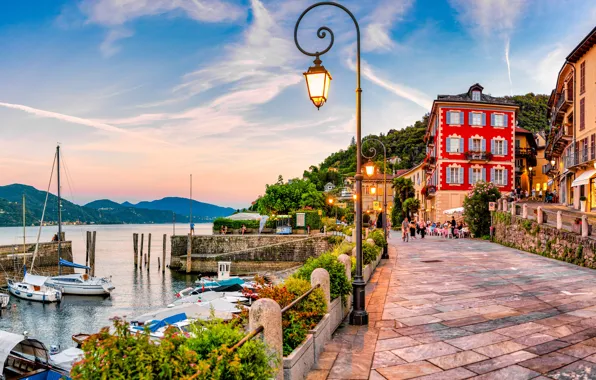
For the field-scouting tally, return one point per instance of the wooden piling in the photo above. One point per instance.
(141, 253)
(188, 254)
(158, 262)
(145, 259)
(87, 251)
(92, 255)
(135, 247)
(148, 251)
(163, 255)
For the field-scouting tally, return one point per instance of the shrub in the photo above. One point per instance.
(379, 238)
(303, 317)
(335, 239)
(340, 286)
(343, 248)
(370, 253)
(126, 355)
(311, 218)
(234, 224)
(476, 212)
(347, 230)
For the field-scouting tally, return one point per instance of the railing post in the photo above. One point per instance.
(525, 211)
(559, 220)
(499, 206)
(505, 204)
(584, 226)
(267, 313)
(539, 215)
(347, 262)
(320, 276)
(513, 208)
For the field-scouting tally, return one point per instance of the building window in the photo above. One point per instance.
(499, 120)
(476, 118)
(476, 145)
(476, 96)
(582, 114)
(455, 175)
(582, 77)
(499, 148)
(454, 118)
(499, 177)
(454, 145)
(476, 175)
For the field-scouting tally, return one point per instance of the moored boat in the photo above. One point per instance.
(33, 288)
(81, 284)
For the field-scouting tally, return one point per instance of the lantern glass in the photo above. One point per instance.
(370, 168)
(373, 190)
(317, 83)
(552, 162)
(330, 201)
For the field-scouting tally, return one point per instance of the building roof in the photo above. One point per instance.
(403, 172)
(582, 48)
(520, 130)
(467, 97)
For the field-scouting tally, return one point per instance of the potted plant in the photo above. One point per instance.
(582, 203)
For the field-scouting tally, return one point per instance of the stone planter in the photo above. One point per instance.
(336, 313)
(577, 228)
(582, 206)
(300, 361)
(321, 334)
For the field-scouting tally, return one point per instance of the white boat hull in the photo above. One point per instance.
(81, 285)
(47, 295)
(80, 290)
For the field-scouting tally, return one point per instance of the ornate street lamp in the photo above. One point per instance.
(358, 316)
(385, 214)
(370, 168)
(317, 83)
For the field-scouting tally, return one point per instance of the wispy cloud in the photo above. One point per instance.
(115, 14)
(376, 33)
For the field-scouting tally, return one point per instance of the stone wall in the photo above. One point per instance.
(527, 235)
(249, 254)
(12, 259)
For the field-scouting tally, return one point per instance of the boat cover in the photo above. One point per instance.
(34, 279)
(226, 282)
(167, 321)
(66, 263)
(22, 345)
(192, 311)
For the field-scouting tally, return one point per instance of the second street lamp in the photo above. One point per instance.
(358, 315)
(385, 211)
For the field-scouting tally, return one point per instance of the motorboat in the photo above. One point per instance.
(22, 357)
(4, 299)
(34, 288)
(81, 284)
(65, 359)
(192, 311)
(210, 283)
(207, 297)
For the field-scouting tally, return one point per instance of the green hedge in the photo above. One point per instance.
(340, 285)
(234, 224)
(370, 253)
(378, 237)
(311, 217)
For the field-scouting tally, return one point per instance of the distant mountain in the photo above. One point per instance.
(100, 212)
(200, 210)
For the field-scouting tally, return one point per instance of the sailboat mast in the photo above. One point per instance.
(59, 210)
(24, 224)
(191, 203)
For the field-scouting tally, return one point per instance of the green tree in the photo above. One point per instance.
(286, 197)
(410, 207)
(403, 188)
(476, 212)
(533, 111)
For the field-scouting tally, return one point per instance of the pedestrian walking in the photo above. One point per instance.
(453, 224)
(413, 229)
(405, 227)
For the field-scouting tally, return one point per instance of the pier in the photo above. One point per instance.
(14, 256)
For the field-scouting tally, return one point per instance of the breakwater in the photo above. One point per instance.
(248, 254)
(13, 257)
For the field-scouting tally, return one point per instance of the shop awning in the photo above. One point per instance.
(584, 178)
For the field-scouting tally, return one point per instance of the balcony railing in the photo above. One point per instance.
(548, 169)
(520, 168)
(579, 157)
(525, 152)
(478, 156)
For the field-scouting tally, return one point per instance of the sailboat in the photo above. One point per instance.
(78, 283)
(32, 287)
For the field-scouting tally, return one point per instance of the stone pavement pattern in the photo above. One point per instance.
(459, 309)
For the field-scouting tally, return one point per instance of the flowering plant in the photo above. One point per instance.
(476, 212)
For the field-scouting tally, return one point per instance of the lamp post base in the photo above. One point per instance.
(385, 253)
(358, 316)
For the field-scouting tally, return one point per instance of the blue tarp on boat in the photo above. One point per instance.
(66, 263)
(156, 325)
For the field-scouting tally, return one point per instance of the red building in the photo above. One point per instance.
(470, 137)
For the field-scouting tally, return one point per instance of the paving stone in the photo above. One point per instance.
(478, 340)
(545, 348)
(509, 373)
(579, 370)
(420, 320)
(500, 362)
(440, 335)
(457, 360)
(325, 360)
(578, 350)
(464, 321)
(406, 331)
(534, 339)
(499, 349)
(425, 351)
(393, 343)
(317, 374)
(386, 359)
(580, 336)
(452, 374)
(549, 362)
(521, 330)
(408, 371)
(386, 333)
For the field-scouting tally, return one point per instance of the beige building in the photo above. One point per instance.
(571, 141)
(418, 177)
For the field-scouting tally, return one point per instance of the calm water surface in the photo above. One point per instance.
(137, 291)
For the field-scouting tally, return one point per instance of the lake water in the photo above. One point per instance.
(137, 291)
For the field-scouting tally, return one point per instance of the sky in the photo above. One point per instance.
(142, 93)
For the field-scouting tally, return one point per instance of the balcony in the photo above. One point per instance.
(478, 156)
(429, 191)
(549, 169)
(519, 169)
(525, 152)
(580, 157)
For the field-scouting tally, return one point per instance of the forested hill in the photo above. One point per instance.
(407, 144)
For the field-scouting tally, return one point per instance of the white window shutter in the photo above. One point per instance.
(470, 144)
(448, 170)
(492, 175)
(461, 175)
(484, 174)
(461, 145)
(470, 178)
(448, 150)
(470, 118)
(448, 117)
(505, 122)
(492, 119)
(505, 177)
(505, 147)
(492, 146)
(484, 145)
(483, 119)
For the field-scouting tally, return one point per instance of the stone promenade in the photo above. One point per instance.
(459, 309)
